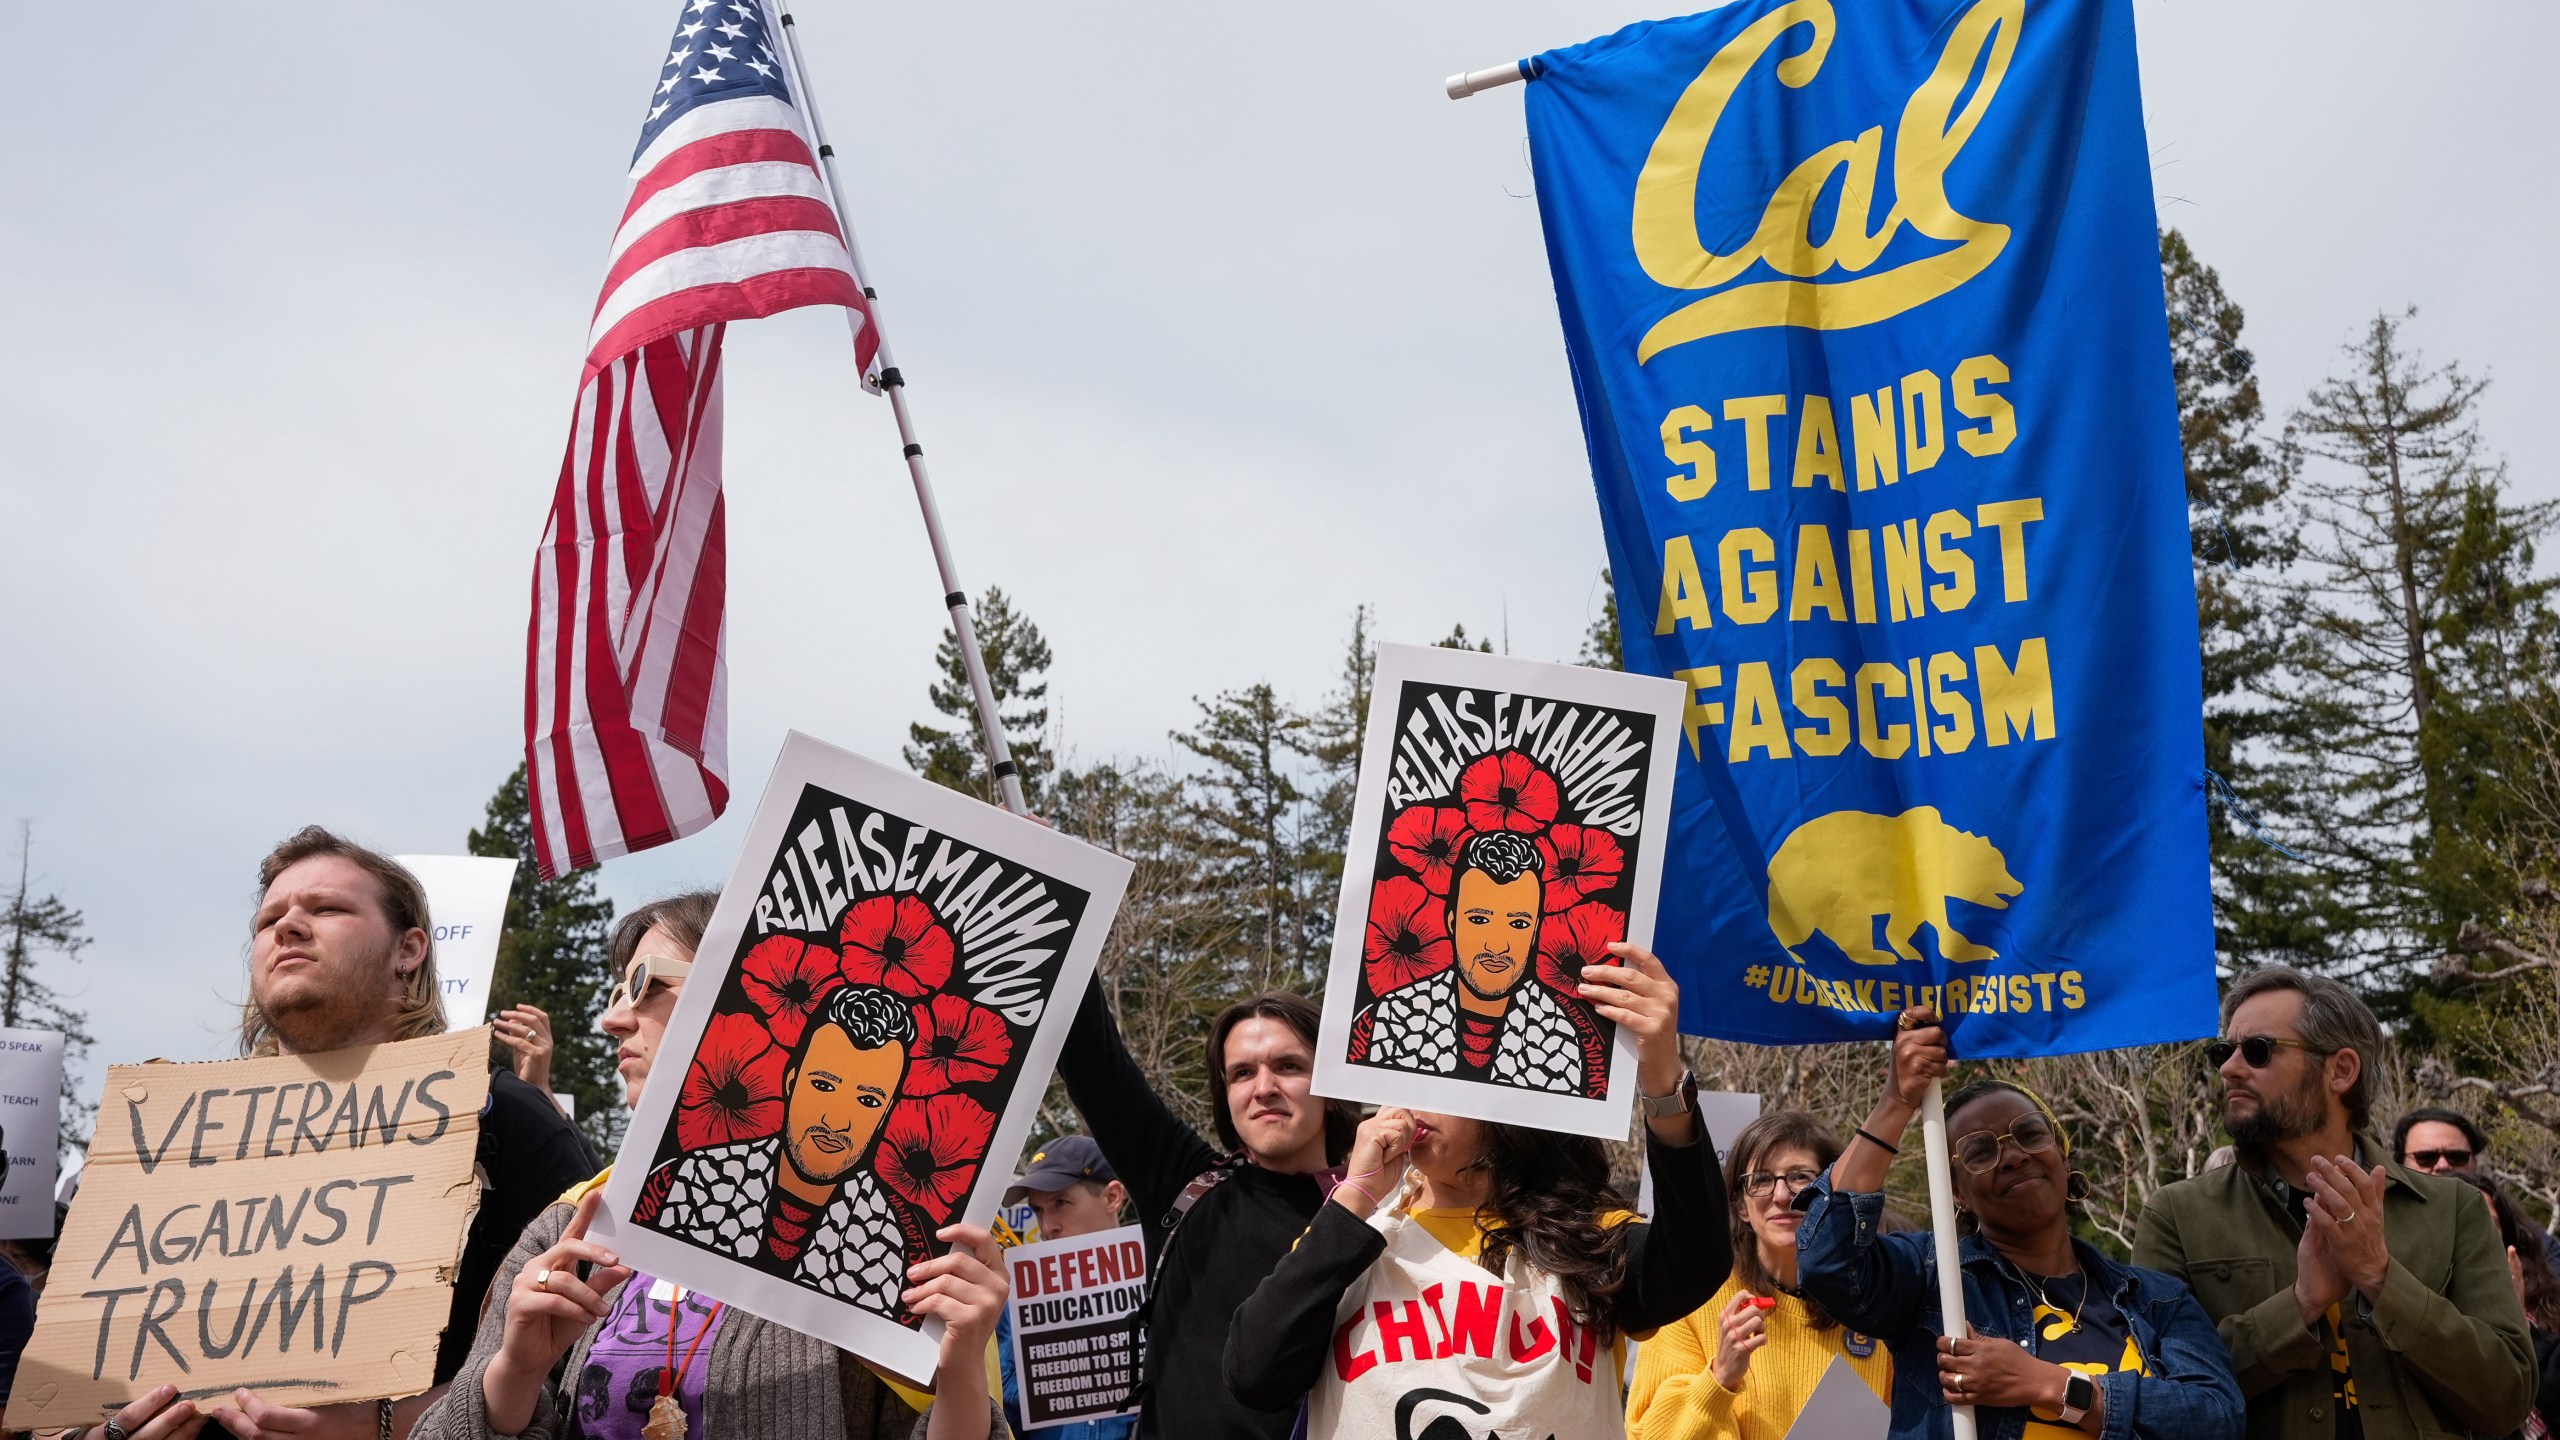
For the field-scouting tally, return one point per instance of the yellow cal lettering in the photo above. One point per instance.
(1696, 714)
(1750, 596)
(1932, 132)
(1758, 724)
(1812, 677)
(1947, 668)
(1902, 571)
(2011, 518)
(1862, 578)
(1694, 482)
(1684, 590)
(2017, 700)
(1999, 419)
(1920, 413)
(1754, 412)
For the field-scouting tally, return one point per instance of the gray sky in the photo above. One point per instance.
(1221, 322)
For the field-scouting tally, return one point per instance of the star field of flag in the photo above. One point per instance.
(720, 52)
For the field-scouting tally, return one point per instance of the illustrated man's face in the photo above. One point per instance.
(1496, 927)
(839, 1096)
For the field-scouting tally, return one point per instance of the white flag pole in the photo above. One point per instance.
(999, 756)
(1942, 1228)
(1462, 86)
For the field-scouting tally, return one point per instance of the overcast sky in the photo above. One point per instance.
(1221, 321)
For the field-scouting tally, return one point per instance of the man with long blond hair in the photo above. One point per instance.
(342, 954)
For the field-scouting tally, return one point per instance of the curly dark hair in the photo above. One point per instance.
(1504, 856)
(1552, 1201)
(869, 1016)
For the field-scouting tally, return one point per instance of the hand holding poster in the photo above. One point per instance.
(1507, 830)
(289, 1225)
(1075, 1324)
(1865, 315)
(30, 1125)
(875, 1009)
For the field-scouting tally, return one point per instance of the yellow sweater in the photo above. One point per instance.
(1676, 1396)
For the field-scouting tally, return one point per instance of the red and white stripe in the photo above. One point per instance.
(626, 723)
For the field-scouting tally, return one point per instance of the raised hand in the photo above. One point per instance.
(1379, 1152)
(548, 1308)
(1742, 1327)
(1919, 1055)
(2346, 1208)
(963, 1287)
(526, 1030)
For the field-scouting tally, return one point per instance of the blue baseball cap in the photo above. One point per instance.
(1059, 1164)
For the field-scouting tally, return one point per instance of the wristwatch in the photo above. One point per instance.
(2079, 1396)
(1663, 1107)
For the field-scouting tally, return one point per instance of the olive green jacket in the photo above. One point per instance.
(2443, 1351)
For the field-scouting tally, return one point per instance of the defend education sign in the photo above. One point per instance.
(1864, 310)
(288, 1224)
(1075, 1337)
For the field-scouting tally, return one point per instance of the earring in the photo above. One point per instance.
(2076, 1187)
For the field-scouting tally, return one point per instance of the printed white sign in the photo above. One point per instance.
(30, 1119)
(467, 900)
(1075, 1336)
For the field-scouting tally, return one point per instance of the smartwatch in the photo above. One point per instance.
(2079, 1397)
(1663, 1107)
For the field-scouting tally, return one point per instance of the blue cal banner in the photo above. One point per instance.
(1865, 315)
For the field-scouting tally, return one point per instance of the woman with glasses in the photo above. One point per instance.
(2062, 1338)
(1746, 1363)
(582, 1347)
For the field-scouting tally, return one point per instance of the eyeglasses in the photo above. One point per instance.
(2258, 1050)
(1760, 1184)
(1979, 1152)
(2426, 1159)
(643, 975)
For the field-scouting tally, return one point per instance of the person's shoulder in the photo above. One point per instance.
(523, 1126)
(2214, 1187)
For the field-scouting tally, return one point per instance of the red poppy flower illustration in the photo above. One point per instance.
(1508, 791)
(957, 1041)
(1578, 937)
(1580, 861)
(1427, 839)
(733, 1090)
(1408, 937)
(894, 941)
(930, 1148)
(786, 977)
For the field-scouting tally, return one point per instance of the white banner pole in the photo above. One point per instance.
(999, 755)
(1942, 1228)
(1462, 86)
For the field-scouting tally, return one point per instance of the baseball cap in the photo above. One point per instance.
(1059, 1164)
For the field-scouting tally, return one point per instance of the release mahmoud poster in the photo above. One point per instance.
(875, 1010)
(1507, 829)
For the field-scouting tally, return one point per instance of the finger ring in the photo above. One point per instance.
(2346, 1218)
(542, 1279)
(1957, 1382)
(116, 1431)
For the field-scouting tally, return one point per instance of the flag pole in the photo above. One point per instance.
(1942, 1228)
(1000, 762)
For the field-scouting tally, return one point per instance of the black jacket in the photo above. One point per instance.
(1205, 1267)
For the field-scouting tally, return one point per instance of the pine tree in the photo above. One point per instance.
(2415, 608)
(38, 923)
(1458, 639)
(555, 952)
(1603, 648)
(2268, 905)
(1247, 812)
(1334, 736)
(1017, 661)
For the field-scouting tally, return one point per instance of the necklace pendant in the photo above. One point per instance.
(666, 1420)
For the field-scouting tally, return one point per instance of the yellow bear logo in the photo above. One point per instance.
(1836, 873)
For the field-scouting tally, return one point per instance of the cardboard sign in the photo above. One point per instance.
(1508, 827)
(288, 1224)
(467, 900)
(873, 1012)
(30, 1125)
(1075, 1332)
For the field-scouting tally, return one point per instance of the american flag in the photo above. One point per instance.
(626, 723)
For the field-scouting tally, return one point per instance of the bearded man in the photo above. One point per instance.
(2360, 1298)
(1489, 1016)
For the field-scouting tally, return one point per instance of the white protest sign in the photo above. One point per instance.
(1075, 1333)
(30, 1117)
(467, 900)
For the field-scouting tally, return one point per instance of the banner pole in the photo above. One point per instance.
(1471, 82)
(1000, 762)
(1942, 1228)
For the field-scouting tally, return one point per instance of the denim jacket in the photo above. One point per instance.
(1887, 1286)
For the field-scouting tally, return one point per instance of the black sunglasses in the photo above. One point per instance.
(2426, 1159)
(2258, 1050)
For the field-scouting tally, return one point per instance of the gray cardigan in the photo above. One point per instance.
(764, 1380)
